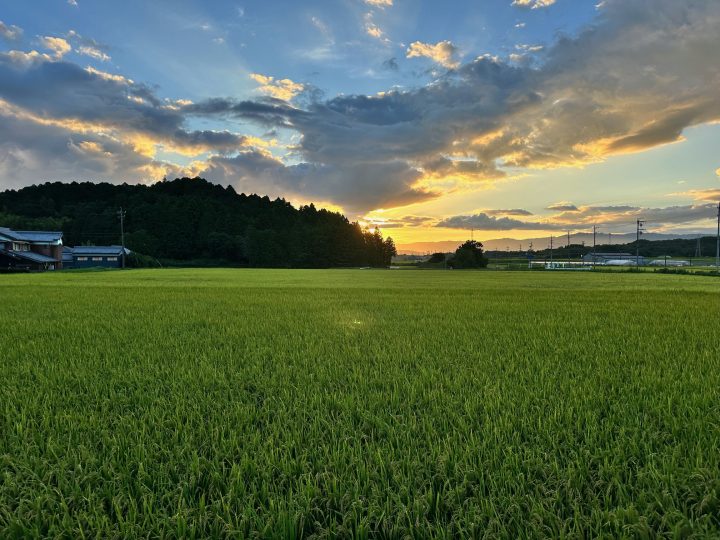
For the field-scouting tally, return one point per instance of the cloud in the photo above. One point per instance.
(634, 79)
(443, 52)
(594, 96)
(585, 217)
(392, 223)
(710, 194)
(509, 212)
(490, 223)
(59, 46)
(563, 207)
(356, 186)
(10, 32)
(391, 65)
(89, 101)
(92, 52)
(529, 48)
(379, 3)
(533, 4)
(89, 47)
(373, 30)
(73, 3)
(283, 89)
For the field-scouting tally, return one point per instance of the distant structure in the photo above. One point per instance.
(669, 262)
(31, 250)
(615, 259)
(94, 256)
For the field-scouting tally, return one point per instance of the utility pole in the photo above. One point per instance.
(717, 248)
(640, 223)
(610, 238)
(568, 244)
(551, 251)
(594, 237)
(121, 213)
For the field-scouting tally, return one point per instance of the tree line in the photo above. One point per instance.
(192, 220)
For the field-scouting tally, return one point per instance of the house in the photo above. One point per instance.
(94, 256)
(614, 259)
(30, 250)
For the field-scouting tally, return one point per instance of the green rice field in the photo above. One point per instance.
(359, 404)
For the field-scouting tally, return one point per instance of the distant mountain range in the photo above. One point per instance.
(512, 244)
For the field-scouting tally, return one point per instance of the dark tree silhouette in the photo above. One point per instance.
(469, 255)
(191, 220)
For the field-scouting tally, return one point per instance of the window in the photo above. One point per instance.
(97, 258)
(113, 259)
(82, 258)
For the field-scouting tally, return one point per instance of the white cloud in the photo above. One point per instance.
(73, 3)
(442, 52)
(533, 4)
(379, 3)
(373, 29)
(284, 89)
(109, 76)
(93, 52)
(10, 32)
(59, 46)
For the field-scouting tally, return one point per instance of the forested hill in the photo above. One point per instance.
(191, 219)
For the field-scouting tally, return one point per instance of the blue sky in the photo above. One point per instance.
(424, 117)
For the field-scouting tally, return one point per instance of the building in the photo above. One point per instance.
(669, 262)
(94, 256)
(30, 250)
(614, 259)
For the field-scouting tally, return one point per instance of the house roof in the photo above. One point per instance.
(84, 251)
(49, 237)
(7, 233)
(28, 256)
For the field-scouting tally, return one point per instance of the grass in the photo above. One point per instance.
(384, 404)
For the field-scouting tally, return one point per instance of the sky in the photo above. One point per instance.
(510, 118)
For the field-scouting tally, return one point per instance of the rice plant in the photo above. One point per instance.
(359, 404)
